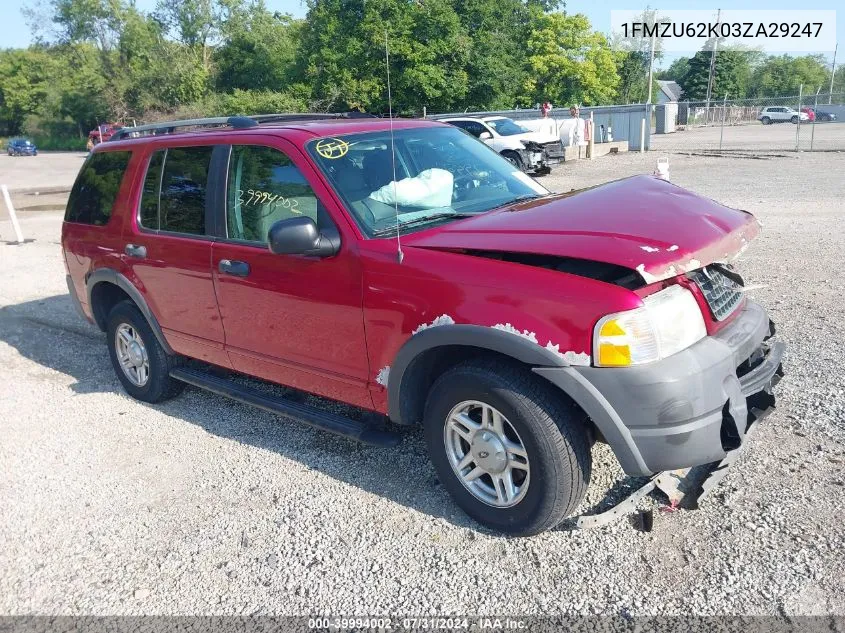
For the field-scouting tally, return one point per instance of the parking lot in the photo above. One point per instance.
(202, 505)
(755, 137)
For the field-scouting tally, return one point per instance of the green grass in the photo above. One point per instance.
(49, 143)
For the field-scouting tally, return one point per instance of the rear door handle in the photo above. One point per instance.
(135, 250)
(236, 268)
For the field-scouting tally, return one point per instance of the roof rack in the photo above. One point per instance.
(236, 122)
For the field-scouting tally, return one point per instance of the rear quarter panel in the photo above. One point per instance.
(87, 247)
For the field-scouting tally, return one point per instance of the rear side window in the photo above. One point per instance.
(95, 190)
(149, 195)
(175, 189)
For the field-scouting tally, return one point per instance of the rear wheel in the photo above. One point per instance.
(512, 453)
(765, 120)
(139, 360)
(514, 158)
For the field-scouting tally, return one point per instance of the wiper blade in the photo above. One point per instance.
(522, 198)
(436, 216)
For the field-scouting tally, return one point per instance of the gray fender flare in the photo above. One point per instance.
(479, 336)
(113, 277)
(543, 362)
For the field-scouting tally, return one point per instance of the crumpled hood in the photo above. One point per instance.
(538, 137)
(643, 223)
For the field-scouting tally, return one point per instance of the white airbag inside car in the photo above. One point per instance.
(430, 189)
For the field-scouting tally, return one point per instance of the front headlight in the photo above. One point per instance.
(668, 322)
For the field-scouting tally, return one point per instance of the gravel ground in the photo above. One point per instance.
(204, 506)
(39, 183)
(755, 136)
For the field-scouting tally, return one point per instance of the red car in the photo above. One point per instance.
(103, 133)
(413, 273)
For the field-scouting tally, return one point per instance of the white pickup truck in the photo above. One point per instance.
(781, 114)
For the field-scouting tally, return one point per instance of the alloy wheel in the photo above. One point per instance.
(486, 454)
(132, 354)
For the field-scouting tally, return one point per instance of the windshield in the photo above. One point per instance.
(442, 173)
(506, 127)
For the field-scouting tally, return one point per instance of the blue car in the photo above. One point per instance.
(21, 147)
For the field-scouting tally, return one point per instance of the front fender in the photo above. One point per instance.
(481, 337)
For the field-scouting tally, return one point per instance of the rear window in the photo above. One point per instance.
(95, 190)
(174, 192)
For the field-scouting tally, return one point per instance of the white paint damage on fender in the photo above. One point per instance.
(443, 319)
(383, 375)
(507, 327)
(573, 358)
(647, 276)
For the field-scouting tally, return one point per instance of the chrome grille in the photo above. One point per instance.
(723, 294)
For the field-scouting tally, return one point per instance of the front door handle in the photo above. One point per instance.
(135, 250)
(236, 268)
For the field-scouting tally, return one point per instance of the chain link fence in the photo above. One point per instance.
(802, 122)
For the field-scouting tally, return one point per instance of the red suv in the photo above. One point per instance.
(412, 272)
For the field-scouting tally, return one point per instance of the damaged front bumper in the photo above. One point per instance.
(685, 487)
(539, 157)
(694, 408)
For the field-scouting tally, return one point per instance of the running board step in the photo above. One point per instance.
(318, 418)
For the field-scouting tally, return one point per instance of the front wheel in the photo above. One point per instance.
(512, 453)
(514, 159)
(139, 360)
(794, 120)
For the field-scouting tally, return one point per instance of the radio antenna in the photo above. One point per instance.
(399, 254)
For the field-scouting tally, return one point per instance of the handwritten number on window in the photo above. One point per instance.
(274, 201)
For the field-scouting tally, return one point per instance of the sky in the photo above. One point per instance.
(14, 32)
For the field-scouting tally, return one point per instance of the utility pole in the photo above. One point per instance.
(650, 68)
(713, 63)
(832, 73)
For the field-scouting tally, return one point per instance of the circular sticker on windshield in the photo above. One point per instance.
(332, 148)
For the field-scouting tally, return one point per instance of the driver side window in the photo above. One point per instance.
(264, 186)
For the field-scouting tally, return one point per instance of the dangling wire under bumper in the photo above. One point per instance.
(684, 488)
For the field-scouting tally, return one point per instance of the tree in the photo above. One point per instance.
(783, 75)
(342, 54)
(838, 79)
(633, 56)
(569, 62)
(676, 72)
(194, 23)
(497, 64)
(24, 83)
(259, 51)
(632, 67)
(731, 74)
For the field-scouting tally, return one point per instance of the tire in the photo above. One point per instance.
(158, 386)
(514, 159)
(551, 431)
(766, 120)
(794, 120)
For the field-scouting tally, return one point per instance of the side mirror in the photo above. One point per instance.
(299, 236)
(485, 136)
